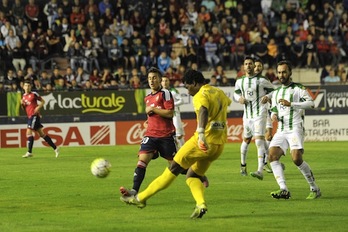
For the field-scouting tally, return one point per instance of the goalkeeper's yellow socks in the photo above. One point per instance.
(160, 183)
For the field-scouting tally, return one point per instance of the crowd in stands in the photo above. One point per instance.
(111, 43)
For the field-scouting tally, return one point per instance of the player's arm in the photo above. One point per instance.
(305, 102)
(41, 102)
(274, 109)
(165, 113)
(202, 119)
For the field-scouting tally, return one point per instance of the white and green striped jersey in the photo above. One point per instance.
(291, 118)
(253, 89)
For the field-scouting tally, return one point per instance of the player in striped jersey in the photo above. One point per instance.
(269, 125)
(288, 104)
(253, 91)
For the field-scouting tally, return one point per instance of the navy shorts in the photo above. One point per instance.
(34, 122)
(164, 147)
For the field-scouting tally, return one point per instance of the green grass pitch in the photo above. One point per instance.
(45, 193)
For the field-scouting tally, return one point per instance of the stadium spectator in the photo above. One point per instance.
(310, 52)
(137, 21)
(9, 79)
(238, 49)
(297, 49)
(103, 5)
(108, 17)
(143, 76)
(332, 78)
(260, 49)
(134, 79)
(74, 86)
(6, 27)
(76, 55)
(32, 12)
(210, 49)
(88, 86)
(273, 52)
(53, 42)
(334, 52)
(18, 56)
(91, 5)
(123, 84)
(271, 76)
(219, 72)
(81, 35)
(21, 27)
(172, 75)
(115, 54)
(281, 27)
(95, 78)
(331, 23)
(175, 61)
(224, 52)
(128, 54)
(323, 49)
(51, 10)
(163, 62)
(106, 78)
(151, 45)
(18, 11)
(55, 76)
(139, 51)
(69, 76)
(342, 72)
(70, 41)
(32, 56)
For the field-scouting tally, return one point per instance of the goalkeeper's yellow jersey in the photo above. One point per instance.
(216, 101)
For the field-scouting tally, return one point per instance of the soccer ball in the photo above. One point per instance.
(100, 167)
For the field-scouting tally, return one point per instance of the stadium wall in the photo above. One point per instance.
(116, 117)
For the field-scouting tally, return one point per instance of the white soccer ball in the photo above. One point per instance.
(100, 167)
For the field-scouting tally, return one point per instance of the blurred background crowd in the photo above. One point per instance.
(109, 44)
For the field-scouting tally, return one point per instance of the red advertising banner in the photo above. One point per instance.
(131, 132)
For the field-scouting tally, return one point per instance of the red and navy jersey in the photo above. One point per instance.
(29, 102)
(158, 126)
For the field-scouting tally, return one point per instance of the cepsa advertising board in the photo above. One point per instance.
(98, 133)
(63, 134)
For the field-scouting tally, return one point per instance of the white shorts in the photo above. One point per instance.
(254, 127)
(293, 140)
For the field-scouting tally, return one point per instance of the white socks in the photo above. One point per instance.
(278, 173)
(308, 175)
(243, 152)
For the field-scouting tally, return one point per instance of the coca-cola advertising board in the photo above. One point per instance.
(133, 131)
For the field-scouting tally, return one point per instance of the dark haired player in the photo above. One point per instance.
(32, 107)
(159, 138)
(199, 152)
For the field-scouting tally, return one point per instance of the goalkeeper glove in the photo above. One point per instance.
(202, 143)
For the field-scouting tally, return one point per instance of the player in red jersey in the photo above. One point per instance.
(32, 107)
(159, 138)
